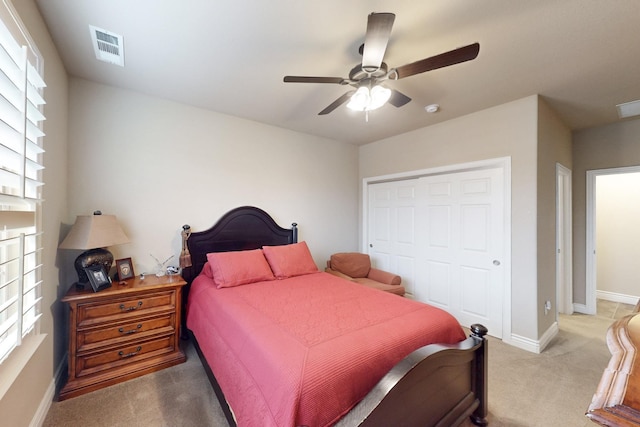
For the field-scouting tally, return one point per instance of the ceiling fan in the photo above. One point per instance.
(367, 78)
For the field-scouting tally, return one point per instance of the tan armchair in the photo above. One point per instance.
(356, 267)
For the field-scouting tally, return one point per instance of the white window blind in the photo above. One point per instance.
(21, 167)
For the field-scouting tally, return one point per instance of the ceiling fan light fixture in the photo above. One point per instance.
(379, 96)
(367, 100)
(360, 99)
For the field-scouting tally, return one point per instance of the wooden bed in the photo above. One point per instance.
(435, 385)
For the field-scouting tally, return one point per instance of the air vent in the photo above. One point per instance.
(628, 109)
(108, 46)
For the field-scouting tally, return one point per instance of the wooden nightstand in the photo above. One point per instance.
(122, 332)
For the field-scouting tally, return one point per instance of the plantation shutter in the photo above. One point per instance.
(21, 167)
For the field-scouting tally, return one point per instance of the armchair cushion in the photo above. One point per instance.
(352, 264)
(356, 267)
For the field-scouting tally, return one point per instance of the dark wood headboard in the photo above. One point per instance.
(242, 228)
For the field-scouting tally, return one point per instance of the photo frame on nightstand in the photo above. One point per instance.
(98, 277)
(124, 268)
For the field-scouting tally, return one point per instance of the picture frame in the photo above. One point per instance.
(98, 277)
(124, 268)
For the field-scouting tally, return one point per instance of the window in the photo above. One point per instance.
(21, 167)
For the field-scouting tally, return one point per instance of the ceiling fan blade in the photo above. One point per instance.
(456, 56)
(301, 79)
(338, 102)
(375, 43)
(398, 99)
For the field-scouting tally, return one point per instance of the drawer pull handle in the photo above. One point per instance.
(133, 307)
(130, 331)
(124, 355)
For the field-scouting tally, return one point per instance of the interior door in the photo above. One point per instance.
(564, 283)
(392, 228)
(461, 248)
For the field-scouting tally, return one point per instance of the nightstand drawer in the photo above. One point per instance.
(93, 363)
(99, 312)
(90, 339)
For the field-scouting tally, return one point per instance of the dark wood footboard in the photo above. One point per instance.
(436, 385)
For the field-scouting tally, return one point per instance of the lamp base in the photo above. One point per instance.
(89, 258)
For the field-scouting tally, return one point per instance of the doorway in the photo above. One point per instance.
(612, 253)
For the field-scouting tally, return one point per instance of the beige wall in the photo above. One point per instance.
(157, 165)
(506, 130)
(605, 147)
(554, 146)
(20, 402)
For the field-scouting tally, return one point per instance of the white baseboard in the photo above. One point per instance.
(535, 346)
(45, 404)
(47, 399)
(550, 333)
(616, 297)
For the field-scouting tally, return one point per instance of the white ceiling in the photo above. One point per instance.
(229, 56)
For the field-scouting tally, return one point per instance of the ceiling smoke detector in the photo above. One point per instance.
(108, 46)
(432, 108)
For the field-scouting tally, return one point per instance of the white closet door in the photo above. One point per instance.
(461, 248)
(444, 235)
(392, 228)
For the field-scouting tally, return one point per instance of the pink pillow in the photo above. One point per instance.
(239, 268)
(206, 270)
(290, 260)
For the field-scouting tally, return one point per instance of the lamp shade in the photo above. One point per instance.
(94, 231)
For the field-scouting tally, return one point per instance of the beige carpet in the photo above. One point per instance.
(525, 389)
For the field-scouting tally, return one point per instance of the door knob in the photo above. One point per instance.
(496, 262)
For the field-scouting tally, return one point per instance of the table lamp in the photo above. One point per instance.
(93, 233)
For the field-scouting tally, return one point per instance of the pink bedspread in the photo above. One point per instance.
(305, 350)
